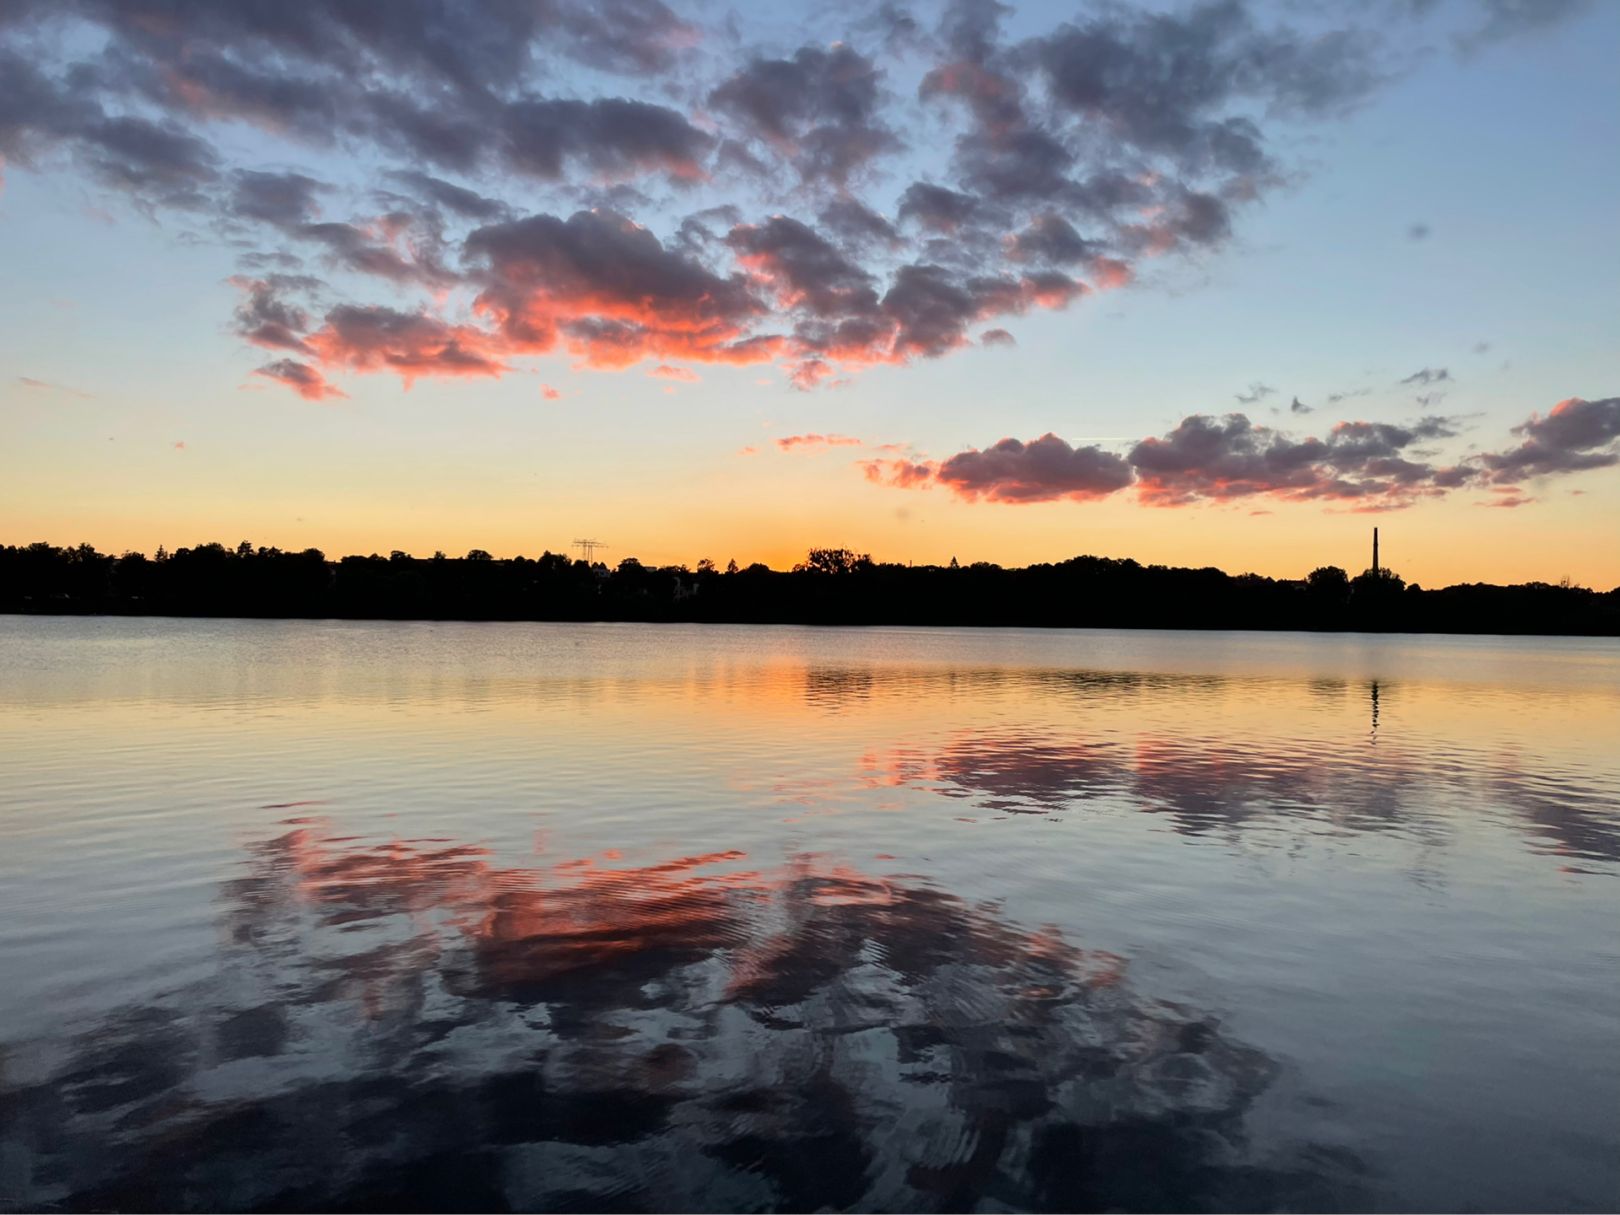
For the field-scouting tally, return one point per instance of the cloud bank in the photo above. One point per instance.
(616, 181)
(1362, 466)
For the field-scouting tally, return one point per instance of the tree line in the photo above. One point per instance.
(831, 586)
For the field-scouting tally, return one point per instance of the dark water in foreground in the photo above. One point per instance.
(624, 917)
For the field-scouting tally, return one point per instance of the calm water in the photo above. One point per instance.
(629, 917)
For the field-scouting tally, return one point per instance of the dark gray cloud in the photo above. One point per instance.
(279, 199)
(460, 201)
(819, 109)
(470, 46)
(1365, 466)
(1298, 406)
(378, 252)
(1162, 83)
(1042, 470)
(267, 318)
(931, 310)
(149, 159)
(1428, 375)
(1061, 152)
(611, 289)
(1051, 239)
(857, 224)
(1257, 392)
(1217, 459)
(1501, 20)
(612, 137)
(1574, 436)
(702, 230)
(301, 378)
(36, 112)
(156, 161)
(409, 344)
(804, 269)
(938, 208)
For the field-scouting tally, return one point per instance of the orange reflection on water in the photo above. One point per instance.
(528, 932)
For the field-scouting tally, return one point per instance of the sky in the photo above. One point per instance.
(1219, 284)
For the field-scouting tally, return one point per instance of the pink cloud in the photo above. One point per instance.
(301, 378)
(410, 344)
(813, 441)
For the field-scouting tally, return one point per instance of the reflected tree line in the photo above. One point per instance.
(410, 1025)
(831, 586)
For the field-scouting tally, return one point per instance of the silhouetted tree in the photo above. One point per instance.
(1329, 583)
(830, 586)
(834, 561)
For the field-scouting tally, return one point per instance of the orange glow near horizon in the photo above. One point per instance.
(1438, 547)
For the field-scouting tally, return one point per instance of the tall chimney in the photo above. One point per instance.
(1375, 550)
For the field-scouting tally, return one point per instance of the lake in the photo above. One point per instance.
(621, 917)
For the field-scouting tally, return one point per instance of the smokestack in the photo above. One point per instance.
(1375, 550)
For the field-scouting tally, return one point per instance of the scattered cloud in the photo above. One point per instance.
(1044, 469)
(1428, 375)
(410, 344)
(1215, 459)
(820, 108)
(28, 381)
(301, 378)
(282, 200)
(1575, 435)
(1507, 496)
(1500, 20)
(1298, 406)
(864, 223)
(812, 442)
(547, 392)
(1365, 466)
(1257, 393)
(1418, 232)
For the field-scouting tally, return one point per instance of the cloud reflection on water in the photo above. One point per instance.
(413, 1023)
(1205, 782)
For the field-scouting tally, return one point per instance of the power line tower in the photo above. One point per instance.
(587, 549)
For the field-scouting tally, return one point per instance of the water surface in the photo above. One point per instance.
(356, 915)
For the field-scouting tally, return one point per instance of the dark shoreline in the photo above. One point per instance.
(833, 587)
(1301, 630)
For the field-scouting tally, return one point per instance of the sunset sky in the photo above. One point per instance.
(1216, 284)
